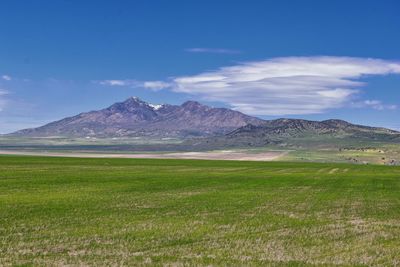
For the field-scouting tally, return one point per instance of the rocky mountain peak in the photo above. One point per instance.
(135, 101)
(133, 104)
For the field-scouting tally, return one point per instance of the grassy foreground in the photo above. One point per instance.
(68, 211)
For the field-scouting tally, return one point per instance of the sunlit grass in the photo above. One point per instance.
(65, 211)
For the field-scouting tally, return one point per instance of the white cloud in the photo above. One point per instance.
(212, 50)
(152, 85)
(285, 86)
(115, 82)
(375, 104)
(6, 77)
(155, 85)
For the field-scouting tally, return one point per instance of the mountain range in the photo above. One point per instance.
(136, 118)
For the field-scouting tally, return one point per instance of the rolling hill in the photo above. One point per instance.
(300, 132)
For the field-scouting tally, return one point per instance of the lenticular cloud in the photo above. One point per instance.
(285, 86)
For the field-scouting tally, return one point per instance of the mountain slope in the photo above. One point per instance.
(297, 132)
(291, 128)
(135, 117)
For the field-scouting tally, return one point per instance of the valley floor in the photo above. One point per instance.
(106, 212)
(211, 155)
(339, 150)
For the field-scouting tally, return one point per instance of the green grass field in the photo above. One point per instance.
(70, 211)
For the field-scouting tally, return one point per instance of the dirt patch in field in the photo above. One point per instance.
(214, 155)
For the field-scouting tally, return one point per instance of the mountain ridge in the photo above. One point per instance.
(135, 117)
(324, 126)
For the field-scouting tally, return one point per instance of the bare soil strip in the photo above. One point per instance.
(214, 155)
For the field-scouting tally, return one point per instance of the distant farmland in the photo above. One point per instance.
(72, 211)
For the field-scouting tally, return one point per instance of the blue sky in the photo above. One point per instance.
(300, 59)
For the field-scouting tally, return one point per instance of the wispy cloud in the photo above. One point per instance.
(155, 85)
(286, 86)
(375, 104)
(115, 82)
(212, 50)
(6, 77)
(152, 85)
